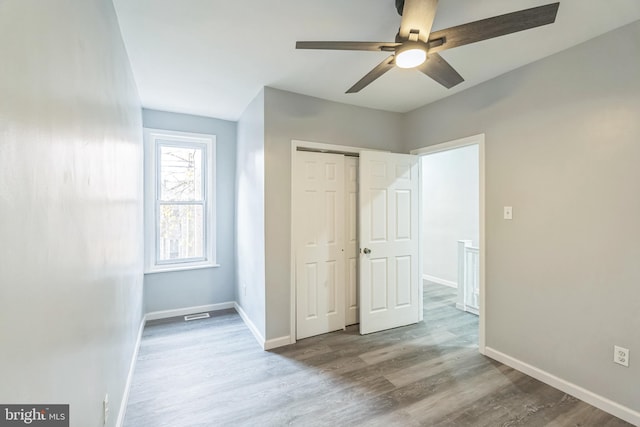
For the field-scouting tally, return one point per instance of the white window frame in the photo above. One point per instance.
(153, 138)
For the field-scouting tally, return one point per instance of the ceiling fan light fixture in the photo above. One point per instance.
(410, 55)
(417, 46)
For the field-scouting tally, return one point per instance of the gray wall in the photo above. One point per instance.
(189, 288)
(70, 207)
(250, 231)
(291, 116)
(561, 148)
(450, 184)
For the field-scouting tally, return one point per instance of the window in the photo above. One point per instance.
(179, 200)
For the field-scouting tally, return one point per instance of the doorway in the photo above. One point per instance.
(452, 221)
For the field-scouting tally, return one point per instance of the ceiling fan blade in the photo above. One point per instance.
(439, 70)
(417, 16)
(375, 46)
(379, 70)
(492, 27)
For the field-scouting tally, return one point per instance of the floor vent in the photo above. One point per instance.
(196, 316)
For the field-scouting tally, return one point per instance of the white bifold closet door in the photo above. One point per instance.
(319, 230)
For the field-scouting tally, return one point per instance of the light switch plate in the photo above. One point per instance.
(508, 212)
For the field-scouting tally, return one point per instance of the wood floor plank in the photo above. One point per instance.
(211, 372)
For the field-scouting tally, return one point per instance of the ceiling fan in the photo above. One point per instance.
(416, 46)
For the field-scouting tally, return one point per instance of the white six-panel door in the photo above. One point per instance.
(319, 186)
(389, 241)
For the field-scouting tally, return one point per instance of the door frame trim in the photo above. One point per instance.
(478, 140)
(320, 147)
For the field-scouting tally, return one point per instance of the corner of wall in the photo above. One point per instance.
(250, 224)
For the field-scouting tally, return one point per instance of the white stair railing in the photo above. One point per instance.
(468, 277)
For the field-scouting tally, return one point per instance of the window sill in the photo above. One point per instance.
(177, 267)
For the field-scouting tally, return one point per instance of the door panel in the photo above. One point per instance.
(379, 285)
(389, 272)
(318, 219)
(351, 249)
(312, 289)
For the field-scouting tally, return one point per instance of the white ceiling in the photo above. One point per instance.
(211, 57)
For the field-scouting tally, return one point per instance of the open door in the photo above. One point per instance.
(389, 241)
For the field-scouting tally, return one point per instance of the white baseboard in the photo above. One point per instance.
(247, 321)
(165, 314)
(440, 281)
(277, 342)
(467, 309)
(591, 398)
(127, 385)
(265, 344)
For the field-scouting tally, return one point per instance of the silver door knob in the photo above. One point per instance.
(366, 251)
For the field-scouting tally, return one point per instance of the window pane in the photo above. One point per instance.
(180, 173)
(181, 232)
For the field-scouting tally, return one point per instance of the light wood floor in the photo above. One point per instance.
(213, 373)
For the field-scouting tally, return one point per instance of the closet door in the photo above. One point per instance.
(319, 232)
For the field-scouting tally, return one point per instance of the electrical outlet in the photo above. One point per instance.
(621, 355)
(105, 409)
